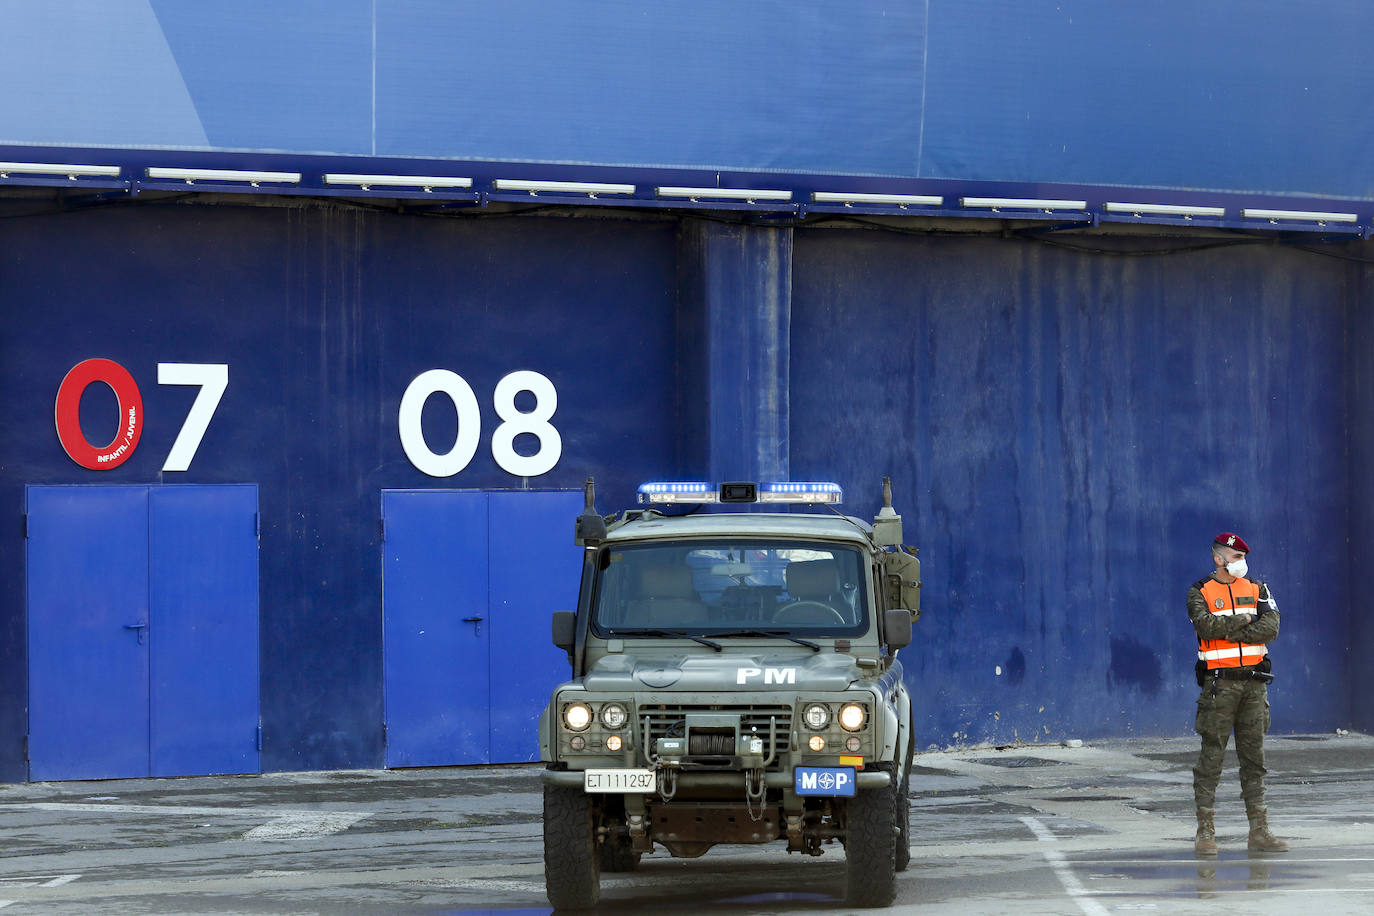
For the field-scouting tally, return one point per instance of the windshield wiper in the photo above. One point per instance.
(672, 634)
(776, 633)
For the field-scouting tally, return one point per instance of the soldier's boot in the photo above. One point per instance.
(1261, 840)
(1205, 844)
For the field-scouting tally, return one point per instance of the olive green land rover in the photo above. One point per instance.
(734, 680)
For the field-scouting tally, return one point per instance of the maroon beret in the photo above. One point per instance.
(1232, 540)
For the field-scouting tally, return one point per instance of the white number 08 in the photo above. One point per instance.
(514, 422)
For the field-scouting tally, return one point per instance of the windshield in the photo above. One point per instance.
(720, 587)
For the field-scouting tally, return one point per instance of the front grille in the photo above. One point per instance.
(670, 721)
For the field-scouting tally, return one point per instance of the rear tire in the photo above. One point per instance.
(572, 862)
(870, 849)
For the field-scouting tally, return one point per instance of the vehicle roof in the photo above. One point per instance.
(744, 524)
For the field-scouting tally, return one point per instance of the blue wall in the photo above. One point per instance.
(1065, 429)
(1252, 96)
(1066, 433)
(1359, 640)
(324, 317)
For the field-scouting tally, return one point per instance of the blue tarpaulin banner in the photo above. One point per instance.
(1247, 96)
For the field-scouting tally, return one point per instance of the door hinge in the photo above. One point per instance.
(384, 735)
(26, 526)
(381, 529)
(257, 525)
(259, 738)
(26, 747)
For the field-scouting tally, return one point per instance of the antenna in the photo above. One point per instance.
(887, 526)
(590, 529)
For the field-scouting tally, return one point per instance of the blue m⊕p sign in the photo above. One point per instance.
(825, 781)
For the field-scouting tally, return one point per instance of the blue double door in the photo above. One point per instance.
(470, 580)
(142, 630)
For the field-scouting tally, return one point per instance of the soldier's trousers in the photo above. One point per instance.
(1224, 707)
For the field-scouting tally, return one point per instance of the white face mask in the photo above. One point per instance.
(1238, 568)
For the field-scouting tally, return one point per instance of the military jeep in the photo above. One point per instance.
(734, 680)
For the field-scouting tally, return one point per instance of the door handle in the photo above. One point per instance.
(140, 627)
(477, 631)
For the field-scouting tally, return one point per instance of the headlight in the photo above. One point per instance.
(852, 717)
(577, 716)
(613, 715)
(816, 717)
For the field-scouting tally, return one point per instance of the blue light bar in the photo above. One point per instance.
(808, 492)
(662, 493)
(685, 492)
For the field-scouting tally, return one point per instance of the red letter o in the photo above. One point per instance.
(68, 414)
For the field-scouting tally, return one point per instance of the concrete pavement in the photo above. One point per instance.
(1097, 829)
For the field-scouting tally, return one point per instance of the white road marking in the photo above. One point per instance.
(38, 880)
(282, 824)
(34, 881)
(1062, 871)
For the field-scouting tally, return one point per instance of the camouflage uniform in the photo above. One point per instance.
(1225, 705)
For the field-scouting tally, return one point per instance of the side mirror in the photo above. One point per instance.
(589, 530)
(565, 629)
(897, 623)
(902, 580)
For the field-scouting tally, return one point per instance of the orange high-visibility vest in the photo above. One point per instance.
(1240, 597)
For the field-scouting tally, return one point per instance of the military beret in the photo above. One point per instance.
(1232, 540)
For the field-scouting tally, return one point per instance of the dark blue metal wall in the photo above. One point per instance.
(1067, 431)
(1359, 640)
(734, 331)
(324, 317)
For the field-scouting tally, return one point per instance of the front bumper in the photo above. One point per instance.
(867, 779)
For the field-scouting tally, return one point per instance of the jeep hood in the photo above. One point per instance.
(724, 672)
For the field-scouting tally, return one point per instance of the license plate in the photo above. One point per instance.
(619, 781)
(825, 781)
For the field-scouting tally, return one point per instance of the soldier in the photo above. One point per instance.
(1235, 619)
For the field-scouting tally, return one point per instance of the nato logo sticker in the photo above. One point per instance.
(825, 781)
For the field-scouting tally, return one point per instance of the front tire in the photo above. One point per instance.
(902, 811)
(572, 862)
(902, 788)
(870, 849)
